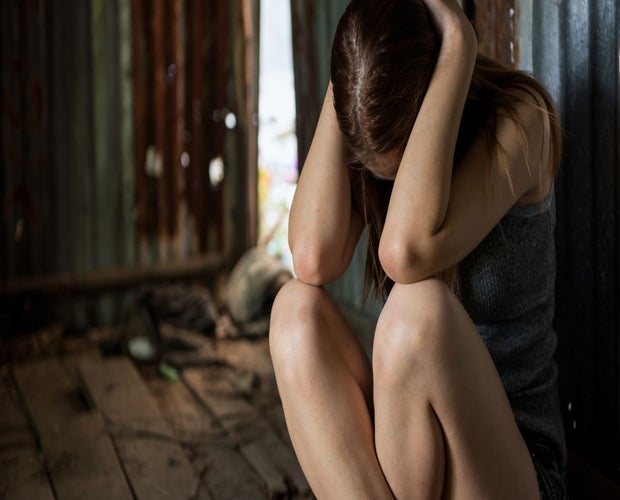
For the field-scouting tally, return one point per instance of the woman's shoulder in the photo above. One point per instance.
(533, 131)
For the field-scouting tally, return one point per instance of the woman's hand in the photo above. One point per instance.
(455, 30)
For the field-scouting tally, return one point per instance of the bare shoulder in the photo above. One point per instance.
(530, 137)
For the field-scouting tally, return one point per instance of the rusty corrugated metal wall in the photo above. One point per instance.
(313, 25)
(573, 47)
(110, 114)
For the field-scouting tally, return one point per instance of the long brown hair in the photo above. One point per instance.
(383, 56)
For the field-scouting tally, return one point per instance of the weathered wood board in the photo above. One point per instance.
(78, 452)
(250, 355)
(22, 472)
(271, 457)
(22, 475)
(154, 462)
(224, 472)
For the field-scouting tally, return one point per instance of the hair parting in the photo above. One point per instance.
(383, 57)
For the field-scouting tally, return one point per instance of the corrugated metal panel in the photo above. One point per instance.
(494, 23)
(111, 112)
(573, 47)
(179, 48)
(314, 25)
(48, 208)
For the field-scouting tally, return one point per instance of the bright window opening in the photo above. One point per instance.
(277, 140)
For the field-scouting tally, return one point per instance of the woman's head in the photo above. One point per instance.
(383, 57)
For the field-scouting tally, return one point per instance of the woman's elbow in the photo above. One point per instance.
(310, 268)
(401, 263)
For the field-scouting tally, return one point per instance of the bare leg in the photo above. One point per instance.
(325, 382)
(443, 424)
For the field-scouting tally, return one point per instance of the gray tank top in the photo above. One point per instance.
(507, 285)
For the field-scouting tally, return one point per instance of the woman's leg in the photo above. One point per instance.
(325, 382)
(443, 424)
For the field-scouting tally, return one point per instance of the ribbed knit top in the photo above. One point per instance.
(507, 285)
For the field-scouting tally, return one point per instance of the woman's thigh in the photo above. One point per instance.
(428, 351)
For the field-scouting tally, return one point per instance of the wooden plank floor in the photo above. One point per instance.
(77, 425)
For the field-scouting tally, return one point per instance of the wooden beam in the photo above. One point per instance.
(99, 281)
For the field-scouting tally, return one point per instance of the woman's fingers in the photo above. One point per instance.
(453, 25)
(443, 7)
(447, 14)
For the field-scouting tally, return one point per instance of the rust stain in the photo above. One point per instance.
(139, 44)
(201, 41)
(159, 32)
(495, 27)
(177, 89)
(182, 75)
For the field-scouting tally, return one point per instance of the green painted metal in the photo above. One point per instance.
(71, 155)
(113, 130)
(328, 13)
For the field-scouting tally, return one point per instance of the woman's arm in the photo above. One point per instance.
(323, 226)
(435, 219)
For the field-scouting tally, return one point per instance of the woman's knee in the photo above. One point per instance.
(413, 327)
(295, 321)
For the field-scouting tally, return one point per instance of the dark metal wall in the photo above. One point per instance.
(574, 49)
(40, 105)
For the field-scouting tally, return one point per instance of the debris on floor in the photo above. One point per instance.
(191, 429)
(177, 401)
(251, 289)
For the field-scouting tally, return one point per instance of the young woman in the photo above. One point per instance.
(448, 161)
